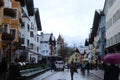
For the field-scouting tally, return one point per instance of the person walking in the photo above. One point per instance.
(0, 65)
(3, 68)
(88, 68)
(111, 72)
(83, 67)
(52, 66)
(72, 69)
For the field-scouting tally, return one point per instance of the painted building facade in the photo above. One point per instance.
(19, 23)
(10, 21)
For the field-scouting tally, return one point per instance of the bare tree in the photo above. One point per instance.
(65, 52)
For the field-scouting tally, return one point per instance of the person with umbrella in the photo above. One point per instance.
(112, 70)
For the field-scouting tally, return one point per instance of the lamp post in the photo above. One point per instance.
(10, 44)
(8, 54)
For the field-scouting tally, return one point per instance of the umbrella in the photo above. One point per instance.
(112, 58)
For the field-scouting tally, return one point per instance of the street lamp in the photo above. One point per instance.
(10, 44)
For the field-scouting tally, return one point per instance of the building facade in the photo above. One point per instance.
(19, 23)
(112, 14)
(47, 44)
(10, 21)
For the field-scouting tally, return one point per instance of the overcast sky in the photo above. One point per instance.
(70, 18)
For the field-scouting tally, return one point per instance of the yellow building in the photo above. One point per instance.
(10, 22)
(75, 58)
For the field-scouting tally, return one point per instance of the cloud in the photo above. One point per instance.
(71, 18)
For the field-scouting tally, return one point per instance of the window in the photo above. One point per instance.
(111, 41)
(45, 45)
(37, 49)
(15, 15)
(23, 25)
(109, 23)
(31, 45)
(32, 26)
(28, 42)
(76, 55)
(13, 32)
(6, 28)
(76, 60)
(43, 51)
(22, 40)
(115, 39)
(116, 16)
(111, 2)
(37, 39)
(28, 27)
(31, 34)
(108, 43)
(1, 29)
(46, 51)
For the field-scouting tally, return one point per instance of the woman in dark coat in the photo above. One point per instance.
(111, 72)
(72, 69)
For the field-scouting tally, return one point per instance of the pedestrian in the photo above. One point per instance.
(83, 67)
(14, 71)
(111, 72)
(72, 69)
(3, 68)
(16, 60)
(88, 67)
(0, 71)
(52, 66)
(0, 64)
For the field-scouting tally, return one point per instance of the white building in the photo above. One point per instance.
(29, 32)
(112, 13)
(47, 44)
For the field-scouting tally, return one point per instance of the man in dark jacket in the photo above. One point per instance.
(72, 69)
(3, 68)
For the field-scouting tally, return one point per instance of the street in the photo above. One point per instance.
(65, 75)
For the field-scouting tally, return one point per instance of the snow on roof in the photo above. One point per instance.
(45, 37)
(83, 49)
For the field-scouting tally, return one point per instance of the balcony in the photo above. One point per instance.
(1, 3)
(10, 12)
(7, 37)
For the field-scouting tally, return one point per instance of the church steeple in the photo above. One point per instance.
(60, 39)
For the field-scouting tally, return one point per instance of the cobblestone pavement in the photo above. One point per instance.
(65, 75)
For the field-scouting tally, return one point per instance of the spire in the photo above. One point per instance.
(86, 42)
(60, 39)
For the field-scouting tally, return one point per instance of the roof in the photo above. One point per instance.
(60, 38)
(97, 16)
(30, 7)
(22, 2)
(37, 17)
(83, 49)
(45, 37)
